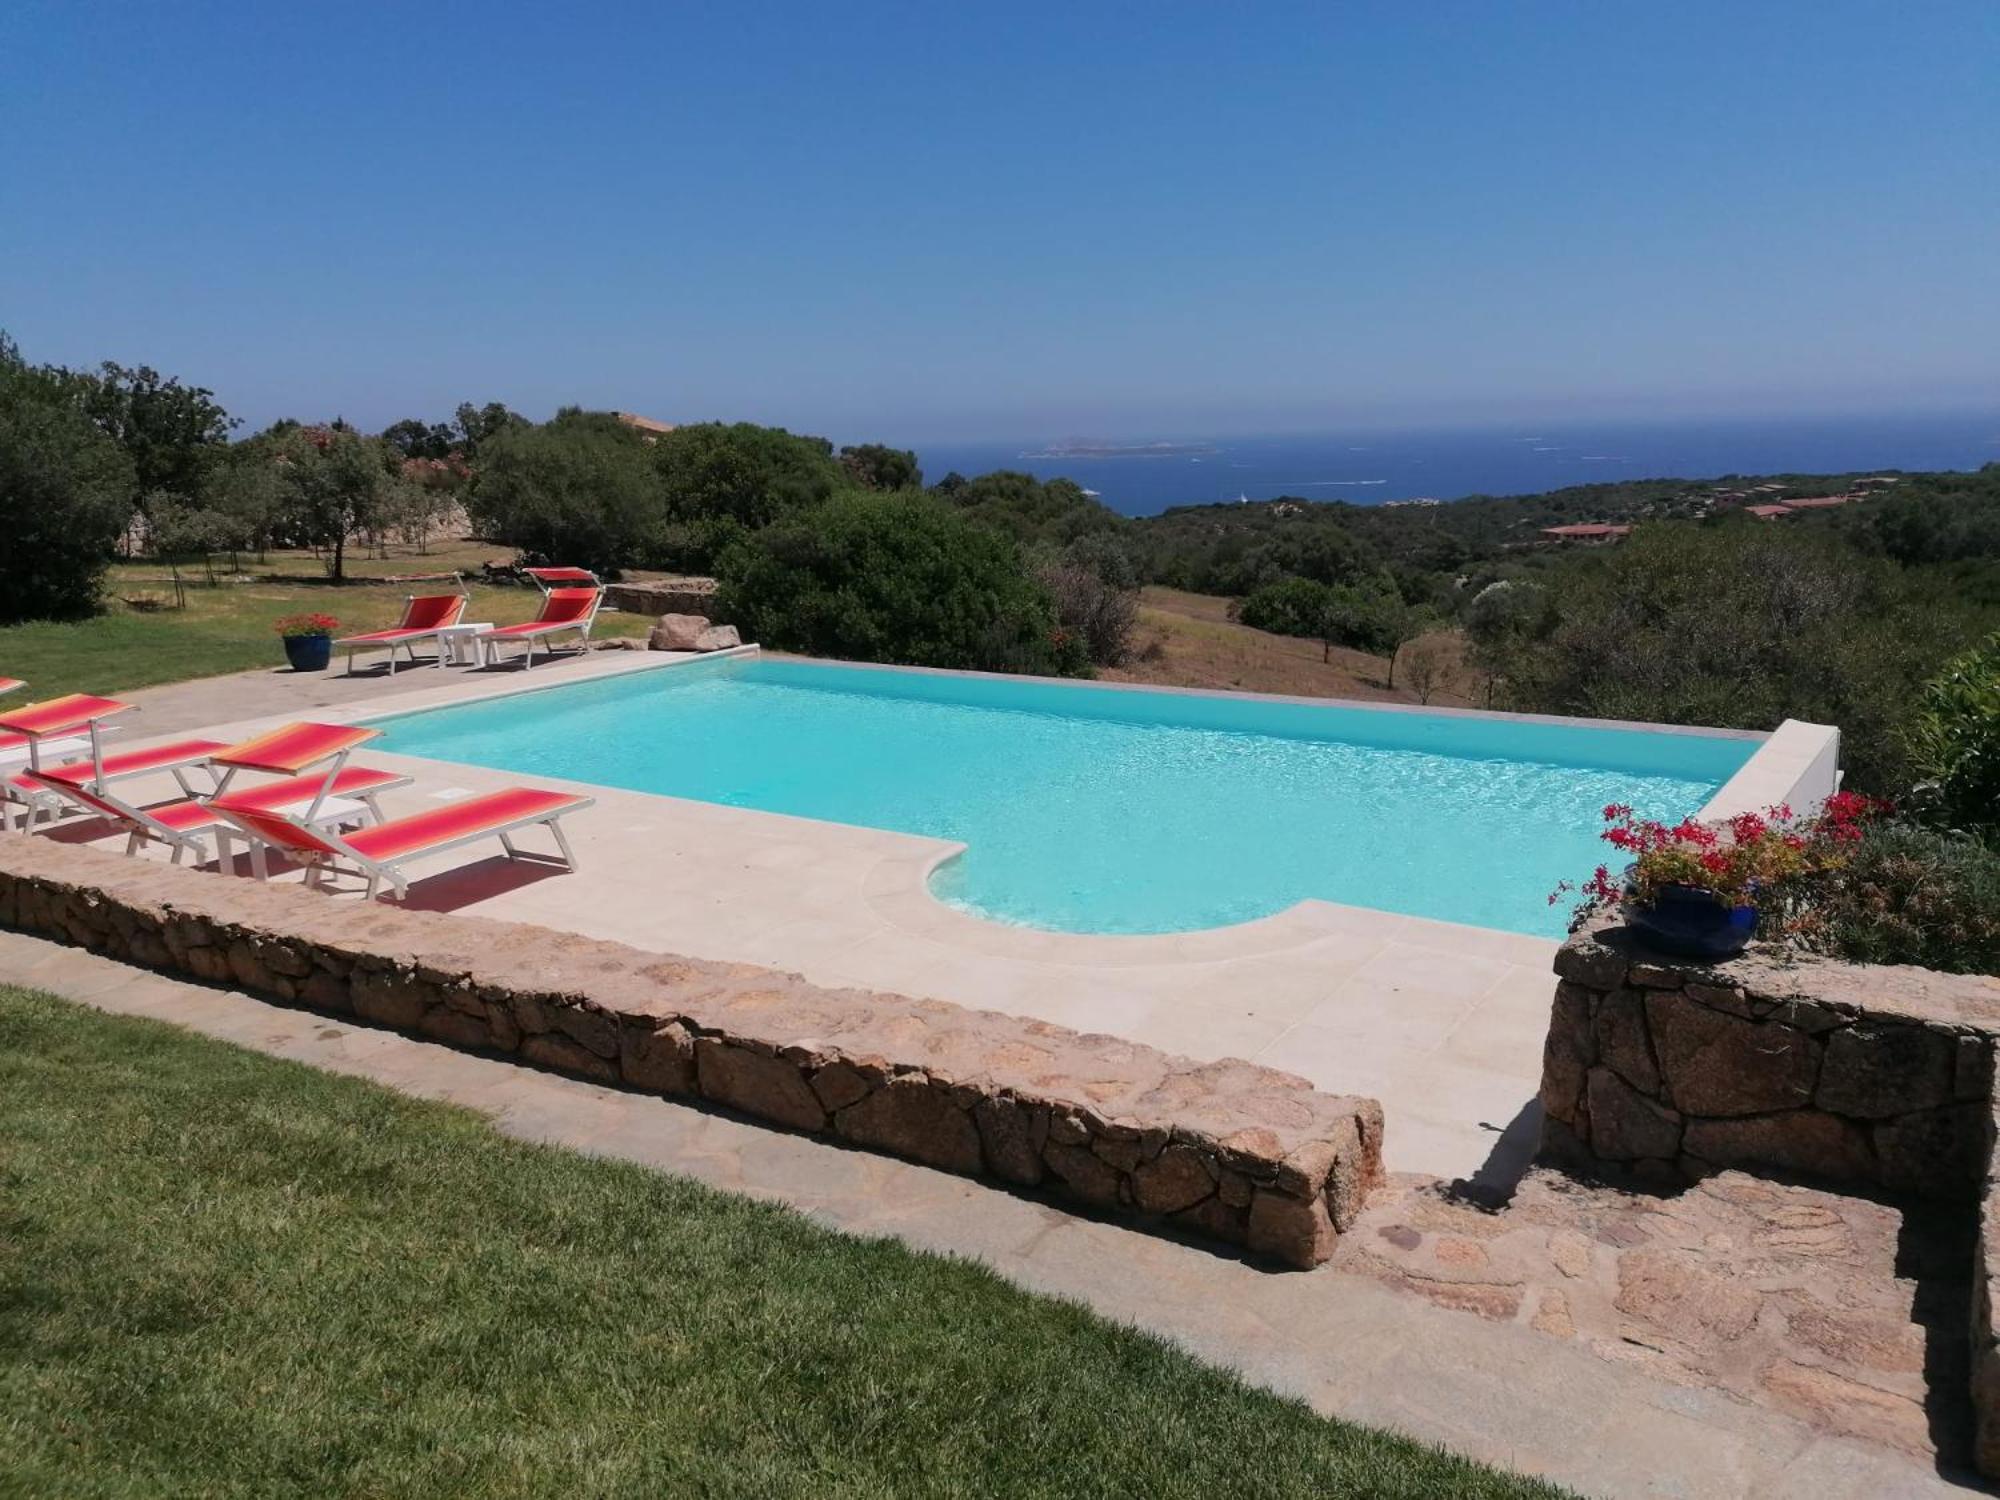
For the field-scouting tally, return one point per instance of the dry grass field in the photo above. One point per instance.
(1188, 640)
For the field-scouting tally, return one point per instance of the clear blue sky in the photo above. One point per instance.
(924, 221)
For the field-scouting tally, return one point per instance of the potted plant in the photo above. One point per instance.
(1700, 890)
(308, 640)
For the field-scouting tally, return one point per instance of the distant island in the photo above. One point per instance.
(1087, 448)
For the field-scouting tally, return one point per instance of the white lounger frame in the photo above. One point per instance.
(379, 871)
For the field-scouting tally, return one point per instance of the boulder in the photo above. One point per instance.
(677, 633)
(718, 638)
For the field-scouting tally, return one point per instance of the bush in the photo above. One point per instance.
(1910, 895)
(721, 482)
(894, 578)
(1056, 511)
(1740, 626)
(66, 492)
(1955, 743)
(1291, 606)
(581, 491)
(1095, 586)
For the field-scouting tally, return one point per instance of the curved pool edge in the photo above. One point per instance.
(898, 890)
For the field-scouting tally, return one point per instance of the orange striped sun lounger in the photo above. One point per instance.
(424, 617)
(563, 609)
(379, 853)
(195, 825)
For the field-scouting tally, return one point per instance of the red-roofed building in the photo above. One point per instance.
(1767, 512)
(1588, 531)
(1821, 502)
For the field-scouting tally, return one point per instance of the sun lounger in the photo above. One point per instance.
(551, 578)
(11, 684)
(37, 790)
(379, 853)
(194, 824)
(425, 618)
(563, 609)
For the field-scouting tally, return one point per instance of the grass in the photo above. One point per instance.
(223, 1274)
(229, 627)
(1188, 640)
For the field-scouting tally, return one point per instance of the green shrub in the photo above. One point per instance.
(1955, 743)
(66, 494)
(1291, 606)
(1030, 510)
(579, 491)
(1910, 895)
(1095, 587)
(1740, 626)
(894, 578)
(720, 482)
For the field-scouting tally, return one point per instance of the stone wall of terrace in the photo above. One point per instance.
(1226, 1150)
(1856, 1074)
(1859, 1075)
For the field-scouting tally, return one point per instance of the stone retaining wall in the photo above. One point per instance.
(1852, 1073)
(1856, 1074)
(666, 596)
(1985, 1351)
(1226, 1150)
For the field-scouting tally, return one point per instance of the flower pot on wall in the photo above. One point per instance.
(1691, 923)
(309, 653)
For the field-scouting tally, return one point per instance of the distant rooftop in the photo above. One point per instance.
(1586, 531)
(1768, 512)
(643, 424)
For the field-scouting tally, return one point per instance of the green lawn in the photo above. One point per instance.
(138, 642)
(222, 1274)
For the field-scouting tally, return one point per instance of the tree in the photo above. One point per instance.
(1095, 586)
(721, 482)
(415, 439)
(895, 578)
(1425, 667)
(875, 467)
(1031, 510)
(65, 490)
(1739, 626)
(170, 431)
(477, 425)
(579, 491)
(334, 484)
(1955, 744)
(1291, 606)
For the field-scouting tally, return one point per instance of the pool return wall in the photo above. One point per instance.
(1226, 1151)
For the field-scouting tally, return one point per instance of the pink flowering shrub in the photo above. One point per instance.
(1752, 859)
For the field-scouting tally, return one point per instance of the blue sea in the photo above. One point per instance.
(1368, 467)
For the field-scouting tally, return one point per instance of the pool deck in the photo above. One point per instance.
(1442, 1023)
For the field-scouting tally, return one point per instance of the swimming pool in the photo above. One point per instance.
(1087, 808)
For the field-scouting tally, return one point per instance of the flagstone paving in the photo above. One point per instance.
(1742, 1340)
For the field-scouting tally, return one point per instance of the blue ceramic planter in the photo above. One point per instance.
(1691, 923)
(309, 653)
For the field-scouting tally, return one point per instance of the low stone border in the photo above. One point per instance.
(1227, 1150)
(1852, 1073)
(1985, 1351)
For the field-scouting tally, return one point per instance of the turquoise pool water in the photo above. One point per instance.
(1092, 809)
